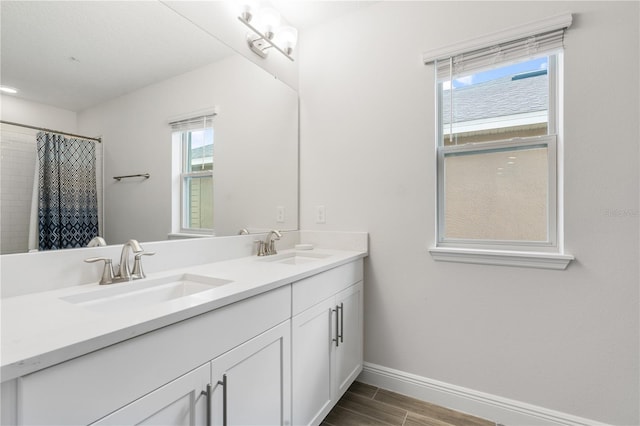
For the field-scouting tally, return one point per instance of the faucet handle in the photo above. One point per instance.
(262, 251)
(107, 272)
(271, 249)
(137, 271)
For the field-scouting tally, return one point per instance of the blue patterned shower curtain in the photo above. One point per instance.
(67, 195)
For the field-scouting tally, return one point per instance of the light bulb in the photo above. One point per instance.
(269, 21)
(287, 38)
(248, 9)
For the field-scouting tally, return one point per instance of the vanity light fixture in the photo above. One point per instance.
(266, 32)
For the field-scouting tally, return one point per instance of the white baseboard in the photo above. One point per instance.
(503, 411)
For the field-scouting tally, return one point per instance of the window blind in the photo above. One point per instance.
(501, 53)
(192, 123)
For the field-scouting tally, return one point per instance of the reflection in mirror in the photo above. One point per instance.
(123, 71)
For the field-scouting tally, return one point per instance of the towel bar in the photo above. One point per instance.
(144, 175)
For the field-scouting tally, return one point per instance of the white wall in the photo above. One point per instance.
(563, 340)
(255, 140)
(36, 114)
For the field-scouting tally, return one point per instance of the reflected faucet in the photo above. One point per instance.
(97, 242)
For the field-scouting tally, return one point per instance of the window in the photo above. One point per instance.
(193, 145)
(497, 147)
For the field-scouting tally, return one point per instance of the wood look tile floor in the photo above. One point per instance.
(366, 405)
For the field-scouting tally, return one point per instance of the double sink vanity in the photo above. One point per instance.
(214, 334)
(250, 340)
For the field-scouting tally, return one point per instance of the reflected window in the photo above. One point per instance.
(195, 140)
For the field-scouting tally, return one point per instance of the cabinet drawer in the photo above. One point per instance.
(84, 389)
(309, 291)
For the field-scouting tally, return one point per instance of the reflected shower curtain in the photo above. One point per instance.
(67, 194)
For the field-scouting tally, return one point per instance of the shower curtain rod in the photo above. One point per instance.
(99, 140)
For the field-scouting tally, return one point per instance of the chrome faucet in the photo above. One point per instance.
(268, 246)
(124, 271)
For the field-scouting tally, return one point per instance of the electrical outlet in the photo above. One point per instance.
(279, 214)
(321, 214)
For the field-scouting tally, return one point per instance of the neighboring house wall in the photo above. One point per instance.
(564, 340)
(201, 215)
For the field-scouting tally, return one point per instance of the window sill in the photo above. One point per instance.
(502, 258)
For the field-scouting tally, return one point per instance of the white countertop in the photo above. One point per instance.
(40, 330)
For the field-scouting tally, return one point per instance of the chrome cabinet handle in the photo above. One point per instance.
(341, 308)
(337, 339)
(223, 383)
(207, 393)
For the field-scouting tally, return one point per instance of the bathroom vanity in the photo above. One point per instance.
(253, 340)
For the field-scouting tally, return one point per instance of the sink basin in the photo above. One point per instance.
(295, 258)
(146, 292)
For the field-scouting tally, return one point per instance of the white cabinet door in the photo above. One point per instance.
(312, 334)
(327, 354)
(180, 402)
(256, 377)
(348, 363)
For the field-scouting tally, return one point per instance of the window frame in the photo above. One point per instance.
(184, 178)
(553, 243)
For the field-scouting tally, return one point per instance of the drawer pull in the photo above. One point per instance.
(223, 383)
(207, 393)
(341, 309)
(337, 339)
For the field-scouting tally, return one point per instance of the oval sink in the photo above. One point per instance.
(146, 292)
(295, 258)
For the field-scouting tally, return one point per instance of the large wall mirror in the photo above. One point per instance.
(123, 71)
